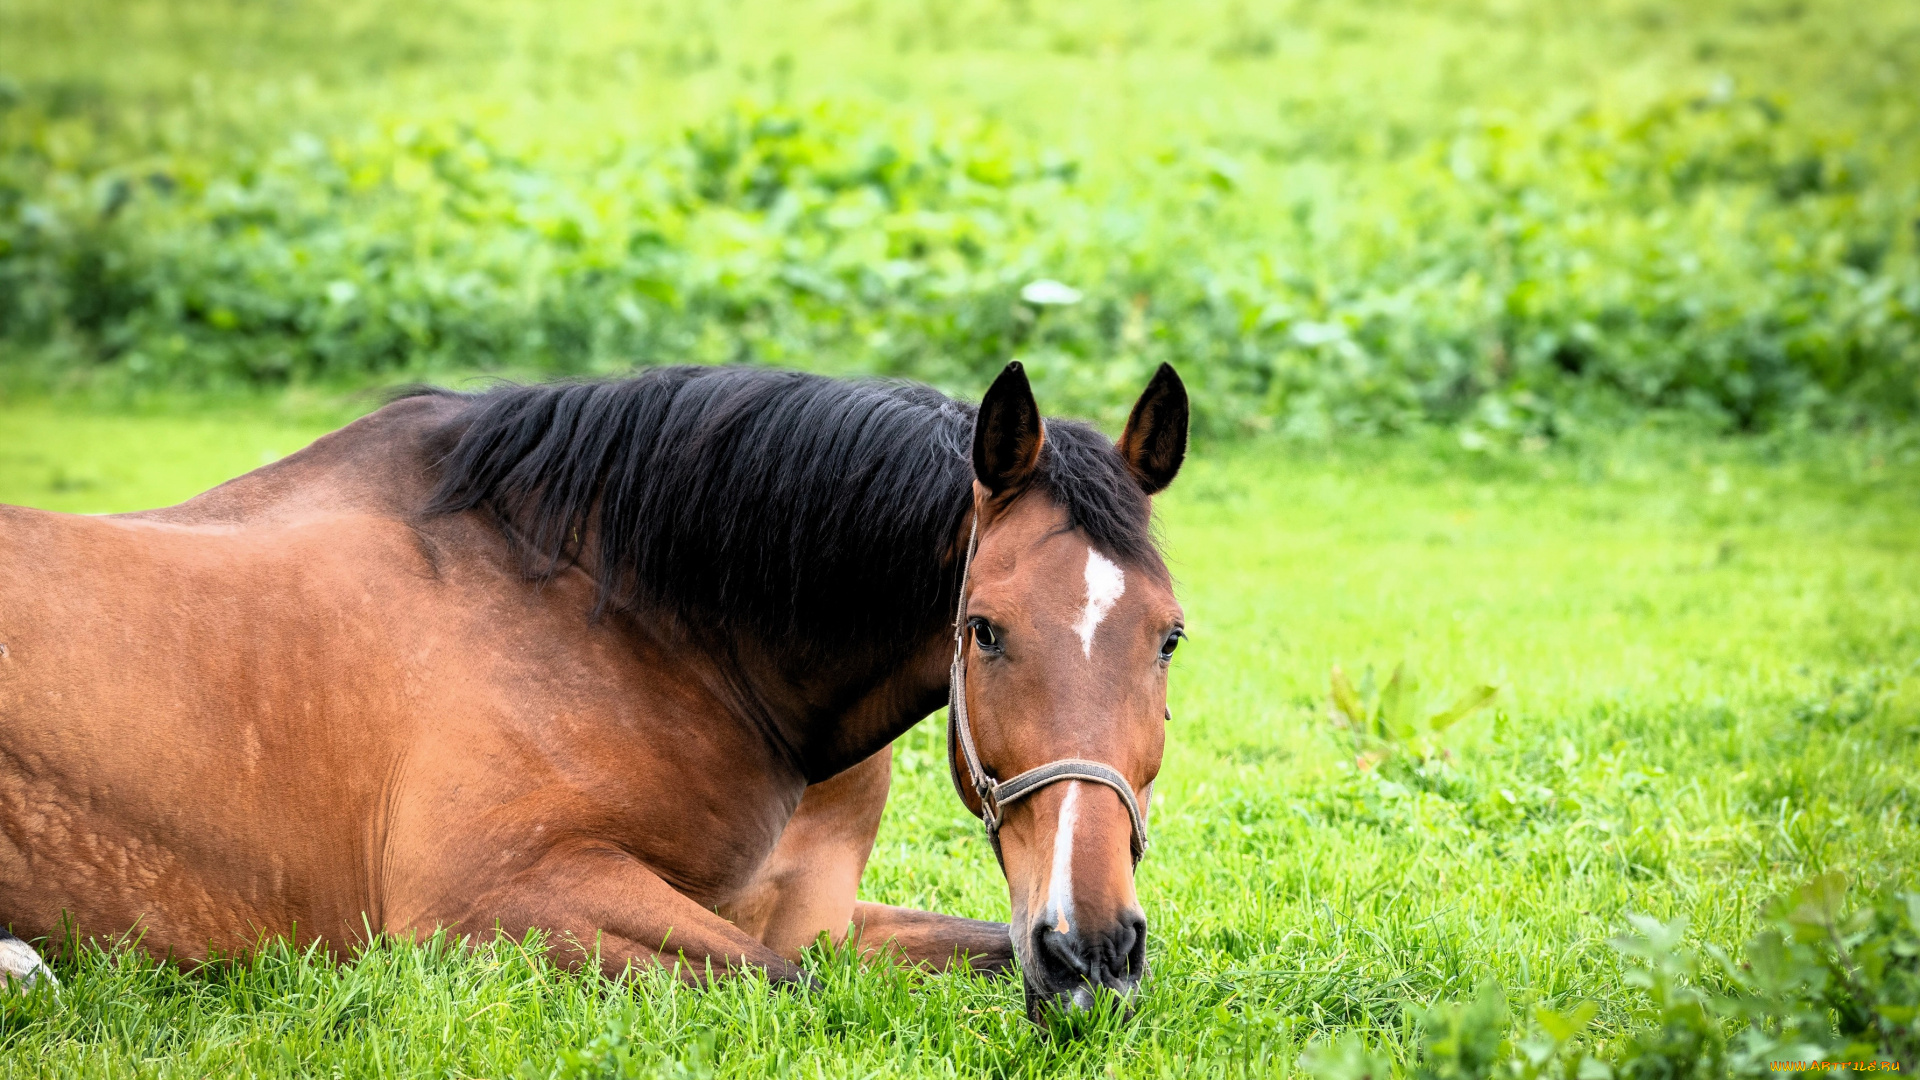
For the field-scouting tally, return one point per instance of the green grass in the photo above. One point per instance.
(1707, 658)
(83, 462)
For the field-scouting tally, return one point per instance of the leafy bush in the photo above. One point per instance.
(1816, 985)
(1716, 253)
(1822, 984)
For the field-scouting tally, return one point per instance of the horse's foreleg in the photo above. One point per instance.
(809, 884)
(598, 902)
(928, 937)
(19, 965)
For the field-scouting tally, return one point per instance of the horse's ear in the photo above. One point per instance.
(1008, 432)
(1155, 441)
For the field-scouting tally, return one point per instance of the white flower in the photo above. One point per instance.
(1047, 291)
(1313, 333)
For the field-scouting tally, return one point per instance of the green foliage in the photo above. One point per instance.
(1393, 720)
(1346, 1058)
(1513, 268)
(1821, 983)
(1465, 1041)
(1815, 985)
(1677, 1033)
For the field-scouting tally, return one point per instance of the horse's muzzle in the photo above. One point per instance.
(1068, 969)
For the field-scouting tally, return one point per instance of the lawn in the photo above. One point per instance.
(1570, 347)
(1706, 652)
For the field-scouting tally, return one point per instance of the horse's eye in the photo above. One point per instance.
(985, 637)
(1172, 643)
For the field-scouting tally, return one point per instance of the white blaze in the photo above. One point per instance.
(1060, 887)
(1105, 585)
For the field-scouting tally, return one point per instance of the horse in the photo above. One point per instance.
(616, 661)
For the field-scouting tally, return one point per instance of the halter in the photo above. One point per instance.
(996, 795)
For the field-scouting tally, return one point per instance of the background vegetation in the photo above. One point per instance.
(1510, 215)
(1561, 248)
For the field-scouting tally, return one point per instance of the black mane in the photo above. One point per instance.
(816, 514)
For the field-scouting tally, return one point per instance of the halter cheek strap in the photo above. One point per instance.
(996, 795)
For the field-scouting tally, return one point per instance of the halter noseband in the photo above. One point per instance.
(996, 795)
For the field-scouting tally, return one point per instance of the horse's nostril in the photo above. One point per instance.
(1136, 947)
(1115, 958)
(1060, 954)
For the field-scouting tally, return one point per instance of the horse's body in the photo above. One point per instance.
(325, 698)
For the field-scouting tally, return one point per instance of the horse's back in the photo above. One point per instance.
(379, 464)
(188, 694)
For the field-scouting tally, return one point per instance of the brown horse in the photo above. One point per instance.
(619, 661)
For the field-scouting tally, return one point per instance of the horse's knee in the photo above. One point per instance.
(837, 819)
(20, 966)
(808, 884)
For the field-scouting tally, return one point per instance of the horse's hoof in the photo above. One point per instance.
(20, 966)
(997, 962)
(797, 981)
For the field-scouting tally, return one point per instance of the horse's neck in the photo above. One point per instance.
(827, 719)
(822, 719)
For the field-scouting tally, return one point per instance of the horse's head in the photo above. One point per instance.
(1061, 670)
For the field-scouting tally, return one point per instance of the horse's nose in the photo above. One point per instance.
(1071, 964)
